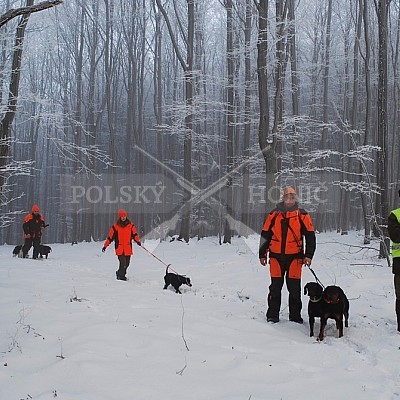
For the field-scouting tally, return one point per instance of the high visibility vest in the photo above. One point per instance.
(396, 246)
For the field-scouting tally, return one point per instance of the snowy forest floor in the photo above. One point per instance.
(70, 330)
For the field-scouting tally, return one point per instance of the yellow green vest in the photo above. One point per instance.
(396, 246)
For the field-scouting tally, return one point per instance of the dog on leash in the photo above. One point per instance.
(175, 281)
(315, 304)
(335, 305)
(43, 251)
(17, 251)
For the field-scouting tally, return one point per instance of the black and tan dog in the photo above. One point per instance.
(175, 280)
(315, 304)
(335, 305)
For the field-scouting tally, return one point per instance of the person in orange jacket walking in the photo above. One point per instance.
(282, 240)
(33, 228)
(122, 233)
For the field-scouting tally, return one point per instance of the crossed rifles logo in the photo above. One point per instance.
(199, 195)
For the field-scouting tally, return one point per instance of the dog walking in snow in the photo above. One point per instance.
(175, 280)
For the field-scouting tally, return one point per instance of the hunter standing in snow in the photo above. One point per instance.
(122, 233)
(282, 240)
(394, 234)
(33, 228)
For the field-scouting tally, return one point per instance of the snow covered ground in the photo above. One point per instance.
(70, 330)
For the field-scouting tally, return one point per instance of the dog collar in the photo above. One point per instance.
(315, 300)
(332, 302)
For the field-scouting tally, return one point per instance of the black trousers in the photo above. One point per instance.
(397, 292)
(275, 289)
(123, 266)
(28, 244)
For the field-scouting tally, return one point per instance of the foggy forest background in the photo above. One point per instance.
(191, 114)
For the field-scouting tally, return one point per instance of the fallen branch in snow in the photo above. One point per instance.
(180, 372)
(241, 296)
(354, 298)
(183, 334)
(76, 298)
(371, 264)
(61, 352)
(352, 245)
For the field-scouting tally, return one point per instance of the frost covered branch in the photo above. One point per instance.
(83, 156)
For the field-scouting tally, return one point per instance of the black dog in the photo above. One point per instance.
(175, 280)
(335, 305)
(315, 304)
(44, 250)
(17, 251)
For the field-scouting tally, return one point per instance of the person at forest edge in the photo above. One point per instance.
(282, 240)
(33, 228)
(394, 234)
(122, 233)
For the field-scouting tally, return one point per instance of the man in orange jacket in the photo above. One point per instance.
(33, 228)
(282, 240)
(122, 233)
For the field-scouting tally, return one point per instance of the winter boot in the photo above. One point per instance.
(121, 274)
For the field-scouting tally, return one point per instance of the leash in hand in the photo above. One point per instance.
(315, 276)
(158, 259)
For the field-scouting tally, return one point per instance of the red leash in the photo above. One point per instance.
(159, 259)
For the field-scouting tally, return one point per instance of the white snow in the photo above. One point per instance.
(70, 330)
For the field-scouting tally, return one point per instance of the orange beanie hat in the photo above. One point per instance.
(288, 190)
(122, 213)
(35, 208)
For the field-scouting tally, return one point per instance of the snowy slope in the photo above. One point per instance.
(70, 331)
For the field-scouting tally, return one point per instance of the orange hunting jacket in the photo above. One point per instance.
(122, 234)
(283, 232)
(33, 225)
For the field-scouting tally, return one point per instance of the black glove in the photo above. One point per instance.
(138, 243)
(103, 249)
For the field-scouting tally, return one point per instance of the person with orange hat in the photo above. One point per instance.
(33, 229)
(282, 241)
(122, 233)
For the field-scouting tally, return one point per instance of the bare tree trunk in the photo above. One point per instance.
(229, 117)
(321, 214)
(382, 7)
(89, 217)
(187, 66)
(77, 134)
(13, 90)
(295, 82)
(281, 7)
(157, 104)
(267, 144)
(3, 56)
(366, 199)
(395, 147)
(356, 85)
(345, 142)
(247, 123)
